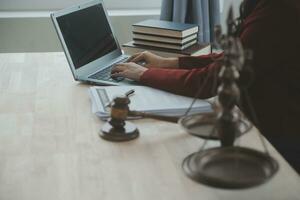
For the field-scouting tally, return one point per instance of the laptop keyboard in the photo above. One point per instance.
(105, 74)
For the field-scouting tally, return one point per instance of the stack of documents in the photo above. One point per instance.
(145, 99)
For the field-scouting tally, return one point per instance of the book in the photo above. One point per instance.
(165, 28)
(195, 50)
(165, 45)
(164, 39)
(145, 99)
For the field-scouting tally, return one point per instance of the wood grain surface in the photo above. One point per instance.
(50, 148)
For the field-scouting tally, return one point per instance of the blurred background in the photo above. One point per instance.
(25, 25)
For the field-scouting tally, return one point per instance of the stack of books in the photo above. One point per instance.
(167, 38)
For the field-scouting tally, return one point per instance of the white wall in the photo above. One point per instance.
(46, 5)
(37, 34)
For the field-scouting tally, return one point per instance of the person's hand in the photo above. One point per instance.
(153, 60)
(129, 70)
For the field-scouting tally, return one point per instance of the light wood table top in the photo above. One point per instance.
(50, 148)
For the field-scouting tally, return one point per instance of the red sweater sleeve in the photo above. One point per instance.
(189, 62)
(183, 81)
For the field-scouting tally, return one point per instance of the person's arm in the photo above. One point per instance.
(153, 61)
(190, 62)
(183, 81)
(194, 73)
(185, 62)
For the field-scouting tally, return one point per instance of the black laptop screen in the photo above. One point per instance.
(87, 35)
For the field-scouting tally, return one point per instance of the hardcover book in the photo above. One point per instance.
(165, 45)
(165, 28)
(164, 39)
(195, 50)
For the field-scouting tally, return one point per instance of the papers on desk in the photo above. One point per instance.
(145, 99)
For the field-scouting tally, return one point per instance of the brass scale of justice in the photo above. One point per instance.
(227, 166)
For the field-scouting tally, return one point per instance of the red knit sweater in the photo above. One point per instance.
(272, 32)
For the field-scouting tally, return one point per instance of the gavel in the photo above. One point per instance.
(117, 128)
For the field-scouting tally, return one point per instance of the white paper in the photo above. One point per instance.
(147, 99)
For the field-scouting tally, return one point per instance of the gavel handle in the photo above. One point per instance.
(153, 116)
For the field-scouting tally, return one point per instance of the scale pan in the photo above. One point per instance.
(230, 167)
(201, 125)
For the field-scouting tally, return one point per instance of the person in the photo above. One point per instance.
(271, 29)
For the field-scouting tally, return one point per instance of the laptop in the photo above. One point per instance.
(89, 43)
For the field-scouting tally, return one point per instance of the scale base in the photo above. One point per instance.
(230, 167)
(129, 132)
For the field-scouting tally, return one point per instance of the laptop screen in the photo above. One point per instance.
(87, 35)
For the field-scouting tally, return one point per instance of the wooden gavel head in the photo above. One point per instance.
(117, 128)
(119, 111)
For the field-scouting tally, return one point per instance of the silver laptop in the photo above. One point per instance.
(89, 43)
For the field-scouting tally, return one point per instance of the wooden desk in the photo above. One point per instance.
(50, 149)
